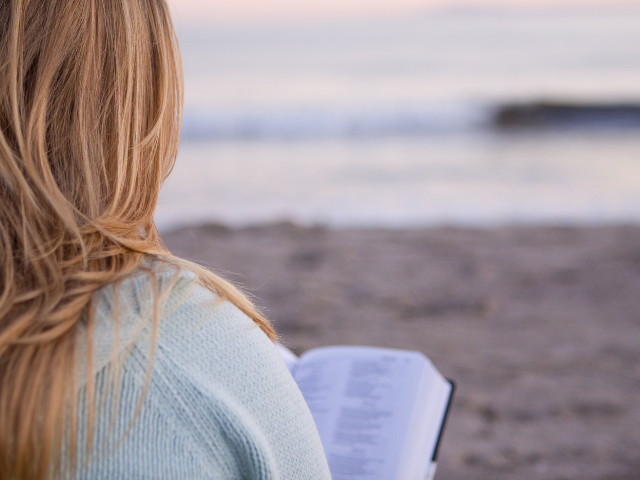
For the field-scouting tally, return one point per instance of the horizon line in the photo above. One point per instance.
(279, 18)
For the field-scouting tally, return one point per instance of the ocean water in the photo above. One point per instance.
(443, 119)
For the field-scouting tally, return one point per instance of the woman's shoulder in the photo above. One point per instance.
(217, 373)
(124, 312)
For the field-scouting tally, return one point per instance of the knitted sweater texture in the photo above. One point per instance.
(219, 402)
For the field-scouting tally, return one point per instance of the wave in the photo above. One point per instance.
(420, 119)
(285, 123)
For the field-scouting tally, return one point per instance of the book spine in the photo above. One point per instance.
(444, 422)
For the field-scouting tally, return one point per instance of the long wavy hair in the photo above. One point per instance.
(90, 111)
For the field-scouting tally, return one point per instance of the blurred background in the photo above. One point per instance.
(461, 179)
(408, 113)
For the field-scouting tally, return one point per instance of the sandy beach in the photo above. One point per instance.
(539, 326)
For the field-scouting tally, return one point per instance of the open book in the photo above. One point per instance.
(380, 412)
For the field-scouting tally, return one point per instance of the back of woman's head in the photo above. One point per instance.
(89, 115)
(90, 104)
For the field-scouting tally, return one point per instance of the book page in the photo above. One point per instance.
(432, 400)
(362, 400)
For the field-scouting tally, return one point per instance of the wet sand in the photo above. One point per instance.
(539, 326)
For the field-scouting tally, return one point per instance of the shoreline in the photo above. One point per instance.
(285, 223)
(537, 324)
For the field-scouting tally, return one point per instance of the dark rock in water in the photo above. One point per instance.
(576, 115)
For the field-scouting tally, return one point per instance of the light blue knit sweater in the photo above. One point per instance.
(220, 403)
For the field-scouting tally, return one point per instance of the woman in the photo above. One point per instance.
(118, 360)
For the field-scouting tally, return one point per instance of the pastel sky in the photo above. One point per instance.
(269, 10)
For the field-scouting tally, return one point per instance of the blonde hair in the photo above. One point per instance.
(90, 110)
